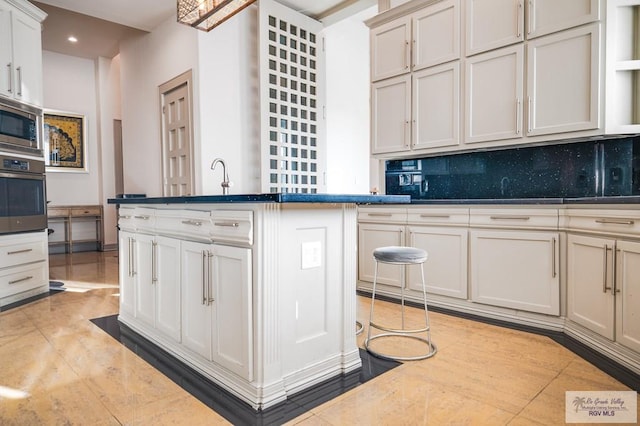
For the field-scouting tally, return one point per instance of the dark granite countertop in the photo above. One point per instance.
(268, 198)
(533, 201)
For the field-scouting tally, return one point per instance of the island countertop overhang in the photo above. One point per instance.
(268, 198)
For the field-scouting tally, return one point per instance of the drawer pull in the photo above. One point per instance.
(436, 216)
(143, 217)
(192, 222)
(124, 217)
(20, 251)
(21, 280)
(380, 214)
(616, 221)
(228, 224)
(510, 217)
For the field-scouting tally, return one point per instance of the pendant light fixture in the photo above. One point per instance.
(208, 14)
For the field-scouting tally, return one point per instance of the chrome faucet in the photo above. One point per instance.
(225, 177)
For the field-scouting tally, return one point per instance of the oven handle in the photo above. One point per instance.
(32, 176)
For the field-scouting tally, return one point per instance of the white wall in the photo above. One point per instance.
(347, 59)
(146, 62)
(70, 85)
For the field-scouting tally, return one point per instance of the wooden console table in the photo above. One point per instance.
(68, 215)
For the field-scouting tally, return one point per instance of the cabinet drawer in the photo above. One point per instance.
(606, 222)
(438, 216)
(125, 218)
(514, 218)
(382, 215)
(19, 250)
(185, 224)
(22, 278)
(57, 212)
(144, 219)
(86, 211)
(232, 226)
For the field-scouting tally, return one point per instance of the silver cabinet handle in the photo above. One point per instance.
(10, 80)
(518, 115)
(605, 269)
(143, 217)
(228, 224)
(507, 217)
(19, 251)
(435, 216)
(154, 250)
(132, 270)
(553, 257)
(124, 217)
(518, 13)
(616, 221)
(21, 280)
(210, 297)
(407, 55)
(531, 7)
(19, 85)
(529, 115)
(204, 277)
(380, 214)
(192, 222)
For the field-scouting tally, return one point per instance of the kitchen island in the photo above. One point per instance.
(255, 292)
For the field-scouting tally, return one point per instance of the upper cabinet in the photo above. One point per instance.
(548, 16)
(21, 51)
(492, 24)
(390, 50)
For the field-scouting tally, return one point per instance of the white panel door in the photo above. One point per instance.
(27, 57)
(494, 95)
(627, 291)
(436, 105)
(446, 265)
(126, 241)
(547, 16)
(6, 51)
(370, 237)
(491, 24)
(516, 270)
(440, 22)
(145, 297)
(176, 142)
(391, 115)
(563, 80)
(390, 49)
(166, 262)
(590, 282)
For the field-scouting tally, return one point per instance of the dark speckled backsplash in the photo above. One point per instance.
(579, 169)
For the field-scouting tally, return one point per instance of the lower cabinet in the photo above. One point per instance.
(370, 237)
(516, 269)
(603, 287)
(217, 304)
(24, 266)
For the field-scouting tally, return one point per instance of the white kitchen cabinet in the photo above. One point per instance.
(446, 265)
(563, 80)
(436, 106)
(548, 16)
(126, 251)
(494, 83)
(391, 115)
(602, 284)
(441, 22)
(217, 300)
(21, 52)
(24, 266)
(390, 49)
(372, 236)
(157, 283)
(516, 269)
(493, 24)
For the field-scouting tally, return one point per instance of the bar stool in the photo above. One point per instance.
(398, 255)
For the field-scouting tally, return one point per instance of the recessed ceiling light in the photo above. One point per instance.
(72, 39)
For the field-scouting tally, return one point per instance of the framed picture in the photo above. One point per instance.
(65, 142)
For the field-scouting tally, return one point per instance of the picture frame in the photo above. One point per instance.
(65, 141)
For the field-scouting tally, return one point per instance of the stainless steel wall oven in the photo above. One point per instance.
(23, 205)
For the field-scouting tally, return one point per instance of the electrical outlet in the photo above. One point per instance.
(311, 255)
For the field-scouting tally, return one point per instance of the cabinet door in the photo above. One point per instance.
(516, 270)
(494, 95)
(563, 78)
(27, 56)
(166, 262)
(627, 291)
(439, 22)
(589, 283)
(6, 51)
(390, 50)
(144, 279)
(492, 24)
(446, 265)
(370, 237)
(436, 104)
(547, 16)
(126, 241)
(231, 288)
(391, 115)
(196, 309)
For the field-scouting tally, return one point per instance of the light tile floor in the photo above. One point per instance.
(56, 367)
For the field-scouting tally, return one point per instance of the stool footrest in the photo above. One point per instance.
(432, 348)
(399, 331)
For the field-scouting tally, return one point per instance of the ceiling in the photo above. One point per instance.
(99, 25)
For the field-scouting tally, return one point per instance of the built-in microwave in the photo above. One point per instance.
(20, 127)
